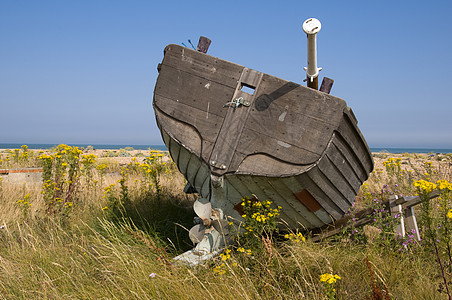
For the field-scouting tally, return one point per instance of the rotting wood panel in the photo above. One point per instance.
(285, 189)
(351, 134)
(193, 168)
(193, 91)
(316, 189)
(336, 179)
(334, 202)
(307, 200)
(282, 153)
(202, 65)
(207, 128)
(294, 186)
(265, 165)
(186, 134)
(343, 166)
(351, 157)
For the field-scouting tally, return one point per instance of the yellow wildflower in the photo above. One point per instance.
(444, 184)
(425, 186)
(329, 278)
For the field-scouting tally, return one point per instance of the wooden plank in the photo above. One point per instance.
(259, 188)
(208, 128)
(397, 210)
(247, 186)
(314, 83)
(337, 179)
(276, 92)
(199, 93)
(205, 189)
(289, 215)
(238, 189)
(264, 165)
(351, 135)
(202, 65)
(186, 134)
(287, 187)
(346, 150)
(343, 165)
(307, 200)
(310, 135)
(325, 194)
(203, 44)
(184, 160)
(411, 223)
(192, 169)
(165, 138)
(252, 142)
(294, 186)
(174, 150)
(201, 177)
(231, 130)
(327, 85)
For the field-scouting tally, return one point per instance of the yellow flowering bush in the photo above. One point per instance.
(60, 177)
(259, 216)
(328, 281)
(424, 187)
(295, 237)
(444, 185)
(87, 165)
(393, 166)
(25, 204)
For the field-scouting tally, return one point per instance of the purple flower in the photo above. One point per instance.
(152, 275)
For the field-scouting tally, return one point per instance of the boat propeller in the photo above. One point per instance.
(207, 220)
(210, 234)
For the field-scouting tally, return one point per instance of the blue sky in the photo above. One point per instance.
(84, 71)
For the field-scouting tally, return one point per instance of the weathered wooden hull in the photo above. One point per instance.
(299, 147)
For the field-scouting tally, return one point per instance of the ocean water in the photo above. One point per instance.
(411, 150)
(163, 148)
(109, 147)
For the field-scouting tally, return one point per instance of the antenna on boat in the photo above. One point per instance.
(311, 27)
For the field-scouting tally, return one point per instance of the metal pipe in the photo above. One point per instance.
(311, 27)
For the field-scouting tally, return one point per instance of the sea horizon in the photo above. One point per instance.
(394, 150)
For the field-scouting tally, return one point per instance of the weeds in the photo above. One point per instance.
(119, 233)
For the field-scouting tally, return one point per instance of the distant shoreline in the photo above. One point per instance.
(163, 148)
(95, 146)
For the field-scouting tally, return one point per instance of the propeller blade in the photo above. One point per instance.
(221, 225)
(203, 208)
(196, 233)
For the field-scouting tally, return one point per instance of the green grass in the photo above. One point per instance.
(92, 254)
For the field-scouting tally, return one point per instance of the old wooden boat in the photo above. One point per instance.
(236, 132)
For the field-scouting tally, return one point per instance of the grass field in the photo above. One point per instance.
(106, 224)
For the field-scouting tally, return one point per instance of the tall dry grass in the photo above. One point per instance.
(90, 254)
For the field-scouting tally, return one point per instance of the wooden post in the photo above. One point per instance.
(203, 44)
(327, 85)
(397, 210)
(314, 84)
